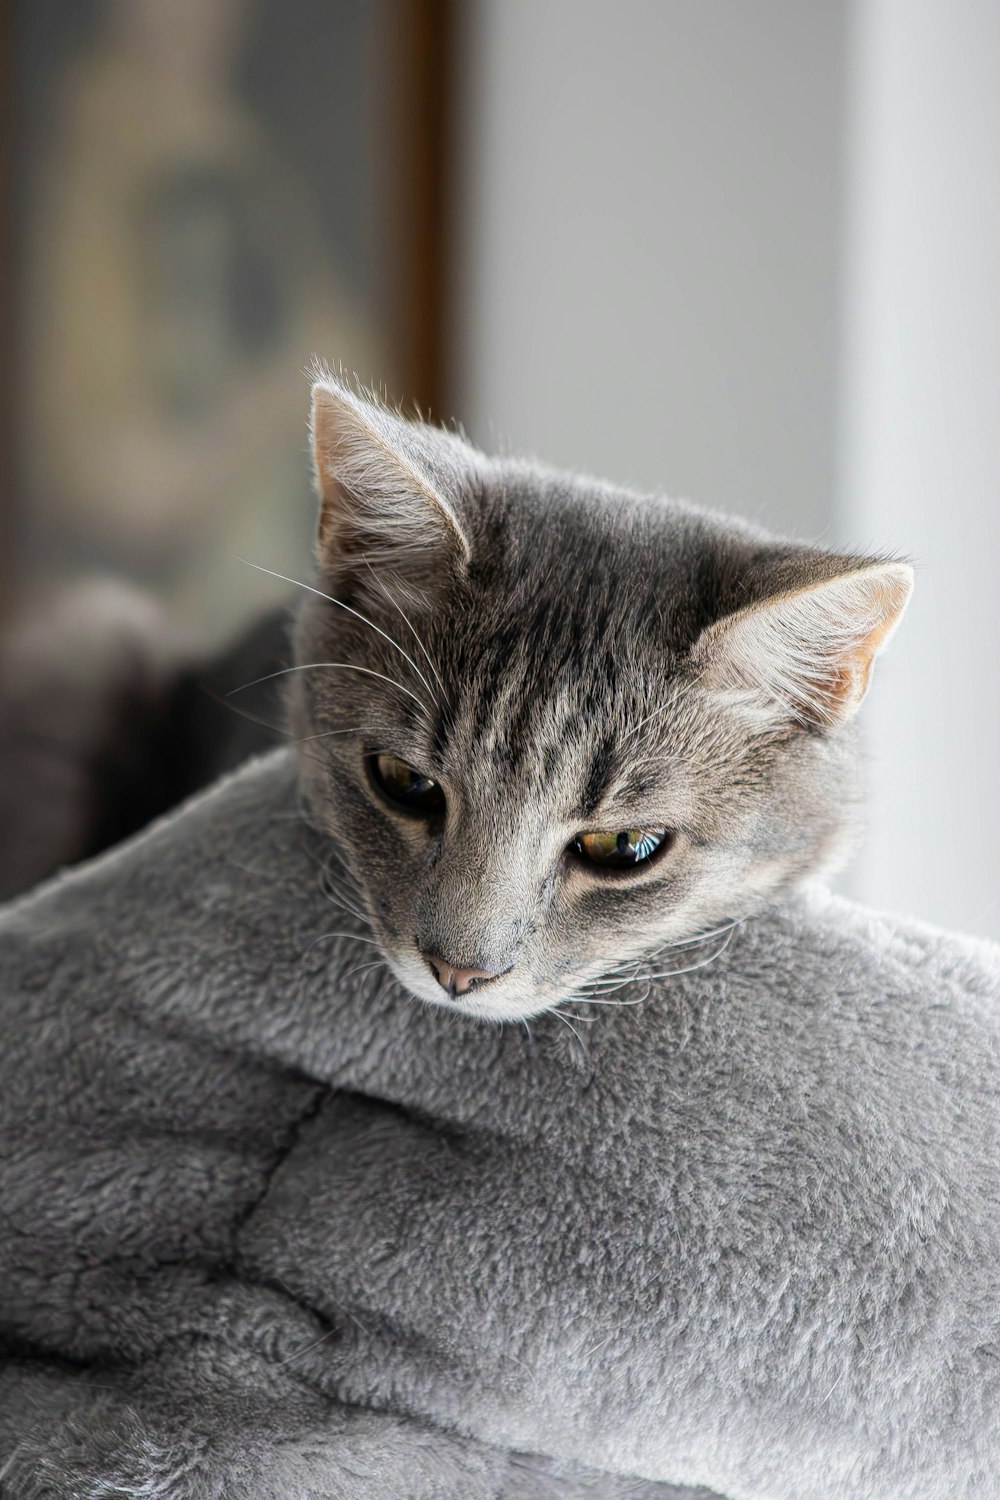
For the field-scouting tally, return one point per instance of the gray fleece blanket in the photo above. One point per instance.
(268, 1228)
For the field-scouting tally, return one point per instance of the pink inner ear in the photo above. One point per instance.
(850, 683)
(847, 682)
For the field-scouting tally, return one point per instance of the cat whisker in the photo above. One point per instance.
(242, 713)
(345, 900)
(336, 879)
(597, 992)
(346, 666)
(344, 894)
(326, 937)
(560, 1017)
(297, 582)
(702, 963)
(344, 873)
(343, 890)
(379, 963)
(326, 733)
(726, 932)
(612, 982)
(342, 904)
(700, 937)
(333, 854)
(532, 1374)
(612, 979)
(625, 963)
(408, 622)
(339, 877)
(590, 1000)
(601, 999)
(640, 999)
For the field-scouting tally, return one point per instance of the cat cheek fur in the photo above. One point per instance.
(547, 647)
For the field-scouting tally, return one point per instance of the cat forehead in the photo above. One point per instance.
(568, 743)
(559, 561)
(534, 526)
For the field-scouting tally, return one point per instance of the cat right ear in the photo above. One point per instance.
(387, 490)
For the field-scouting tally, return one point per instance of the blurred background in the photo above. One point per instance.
(748, 254)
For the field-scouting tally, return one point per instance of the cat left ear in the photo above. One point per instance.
(806, 654)
(385, 488)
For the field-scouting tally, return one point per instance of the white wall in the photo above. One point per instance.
(750, 253)
(922, 440)
(652, 204)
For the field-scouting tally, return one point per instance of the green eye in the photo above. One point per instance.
(404, 786)
(621, 850)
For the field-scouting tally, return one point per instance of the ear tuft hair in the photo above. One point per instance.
(387, 487)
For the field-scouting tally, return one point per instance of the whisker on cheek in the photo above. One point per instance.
(326, 937)
(568, 1024)
(343, 903)
(606, 986)
(701, 964)
(598, 992)
(631, 969)
(379, 963)
(592, 1000)
(701, 937)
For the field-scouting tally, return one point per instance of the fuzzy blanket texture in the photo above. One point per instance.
(268, 1228)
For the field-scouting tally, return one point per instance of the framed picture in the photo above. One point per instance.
(204, 196)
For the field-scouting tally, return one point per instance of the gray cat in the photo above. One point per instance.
(269, 1229)
(551, 649)
(558, 726)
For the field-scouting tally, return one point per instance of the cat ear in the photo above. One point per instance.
(386, 489)
(806, 654)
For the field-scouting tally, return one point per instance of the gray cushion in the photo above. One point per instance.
(270, 1228)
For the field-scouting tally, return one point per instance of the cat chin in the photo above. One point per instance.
(479, 1009)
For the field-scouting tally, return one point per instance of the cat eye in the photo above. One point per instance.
(621, 850)
(404, 786)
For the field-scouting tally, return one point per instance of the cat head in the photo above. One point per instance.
(557, 727)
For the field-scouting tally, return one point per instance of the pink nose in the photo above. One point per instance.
(456, 981)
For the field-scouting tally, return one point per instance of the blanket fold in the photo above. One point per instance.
(268, 1227)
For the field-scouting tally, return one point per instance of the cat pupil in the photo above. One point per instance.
(621, 849)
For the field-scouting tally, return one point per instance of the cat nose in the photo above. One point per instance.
(456, 981)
